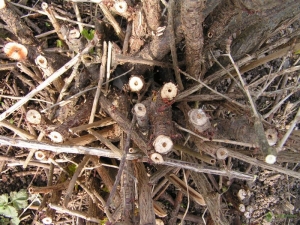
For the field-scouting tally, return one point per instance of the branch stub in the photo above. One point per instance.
(169, 91)
(15, 51)
(56, 137)
(199, 120)
(156, 158)
(163, 144)
(33, 116)
(135, 83)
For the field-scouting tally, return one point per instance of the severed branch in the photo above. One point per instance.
(269, 152)
(49, 80)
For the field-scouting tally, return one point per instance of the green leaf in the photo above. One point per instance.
(269, 217)
(19, 199)
(15, 221)
(88, 34)
(3, 199)
(8, 211)
(47, 24)
(72, 168)
(11, 121)
(59, 43)
(4, 221)
(297, 52)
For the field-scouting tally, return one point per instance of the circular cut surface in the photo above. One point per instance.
(169, 91)
(163, 144)
(56, 137)
(135, 83)
(15, 51)
(140, 109)
(33, 116)
(157, 158)
(198, 117)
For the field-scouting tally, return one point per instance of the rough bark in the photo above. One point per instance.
(192, 19)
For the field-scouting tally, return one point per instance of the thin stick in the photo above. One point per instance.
(276, 107)
(254, 110)
(56, 16)
(49, 80)
(109, 54)
(261, 164)
(73, 213)
(71, 185)
(112, 21)
(214, 91)
(100, 82)
(122, 163)
(207, 169)
(172, 44)
(216, 140)
(101, 123)
(55, 24)
(78, 16)
(269, 152)
(106, 142)
(290, 130)
(84, 91)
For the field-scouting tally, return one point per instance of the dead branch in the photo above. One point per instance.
(192, 19)
(17, 26)
(146, 210)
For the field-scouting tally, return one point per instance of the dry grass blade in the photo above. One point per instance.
(194, 195)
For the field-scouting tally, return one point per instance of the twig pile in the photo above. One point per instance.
(107, 91)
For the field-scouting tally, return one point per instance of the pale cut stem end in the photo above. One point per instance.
(157, 158)
(141, 115)
(2, 4)
(272, 136)
(242, 207)
(44, 6)
(74, 34)
(41, 61)
(169, 91)
(56, 137)
(222, 153)
(47, 220)
(140, 110)
(199, 120)
(33, 116)
(242, 193)
(159, 222)
(270, 159)
(40, 155)
(121, 6)
(163, 144)
(135, 83)
(15, 51)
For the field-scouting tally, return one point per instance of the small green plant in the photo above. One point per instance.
(59, 43)
(284, 216)
(9, 206)
(88, 34)
(269, 217)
